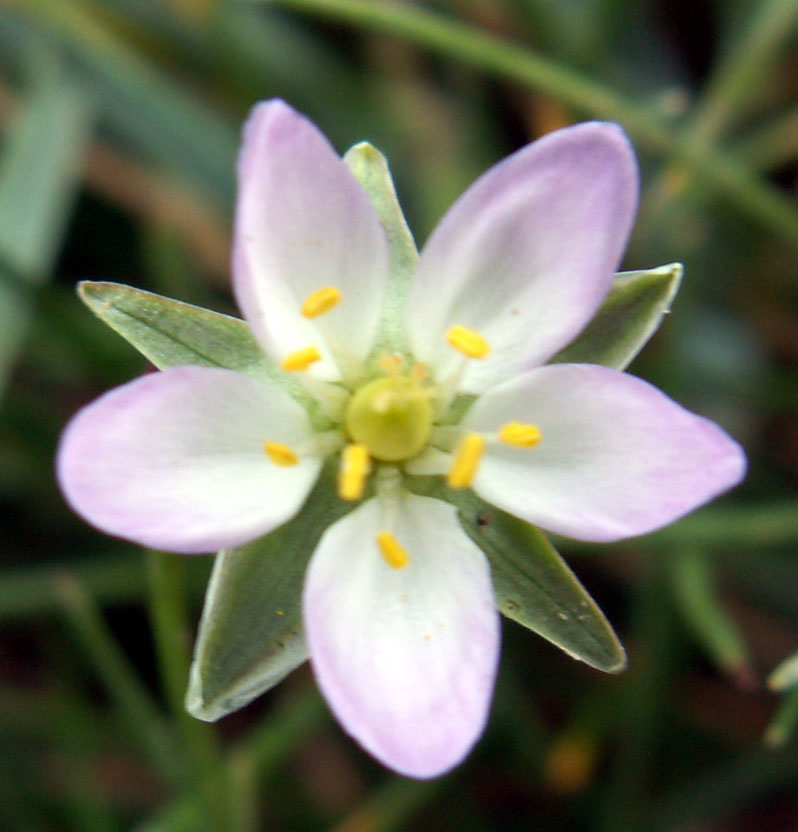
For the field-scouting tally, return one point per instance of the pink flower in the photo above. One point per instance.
(400, 618)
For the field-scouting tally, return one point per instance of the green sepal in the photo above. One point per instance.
(370, 168)
(250, 634)
(533, 584)
(170, 333)
(629, 316)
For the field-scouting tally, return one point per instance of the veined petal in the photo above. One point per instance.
(406, 657)
(616, 458)
(303, 223)
(175, 460)
(527, 254)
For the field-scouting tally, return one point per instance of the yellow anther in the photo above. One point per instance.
(300, 360)
(392, 551)
(321, 301)
(355, 467)
(520, 435)
(391, 365)
(466, 461)
(468, 342)
(280, 454)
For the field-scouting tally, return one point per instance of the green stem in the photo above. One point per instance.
(390, 806)
(134, 703)
(743, 68)
(720, 172)
(772, 145)
(169, 615)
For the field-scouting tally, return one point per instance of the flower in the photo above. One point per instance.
(398, 604)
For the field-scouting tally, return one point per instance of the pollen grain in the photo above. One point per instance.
(280, 454)
(355, 467)
(468, 342)
(392, 551)
(520, 435)
(297, 362)
(466, 461)
(321, 301)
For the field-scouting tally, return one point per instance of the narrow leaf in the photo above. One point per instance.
(534, 585)
(250, 636)
(39, 176)
(370, 168)
(630, 315)
(704, 613)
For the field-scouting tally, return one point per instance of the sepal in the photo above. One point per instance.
(629, 316)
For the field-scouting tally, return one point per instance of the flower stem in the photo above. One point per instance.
(136, 707)
(718, 171)
(169, 616)
(740, 73)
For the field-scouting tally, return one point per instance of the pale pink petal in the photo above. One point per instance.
(527, 254)
(175, 460)
(406, 658)
(304, 223)
(617, 457)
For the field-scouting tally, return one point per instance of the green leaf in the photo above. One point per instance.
(39, 176)
(630, 315)
(533, 584)
(250, 636)
(170, 333)
(713, 627)
(370, 168)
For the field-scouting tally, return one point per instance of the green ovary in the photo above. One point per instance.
(391, 416)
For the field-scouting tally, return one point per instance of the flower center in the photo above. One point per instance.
(391, 417)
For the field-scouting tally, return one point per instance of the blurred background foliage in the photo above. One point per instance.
(119, 122)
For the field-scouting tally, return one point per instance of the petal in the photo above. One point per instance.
(527, 254)
(616, 458)
(175, 460)
(406, 658)
(303, 223)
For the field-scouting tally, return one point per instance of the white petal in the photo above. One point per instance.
(304, 223)
(527, 254)
(617, 457)
(406, 658)
(175, 460)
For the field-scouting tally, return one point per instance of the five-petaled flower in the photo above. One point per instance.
(398, 604)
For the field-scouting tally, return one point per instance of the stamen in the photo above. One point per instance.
(280, 454)
(321, 301)
(392, 551)
(468, 342)
(466, 461)
(391, 365)
(520, 435)
(300, 360)
(355, 467)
